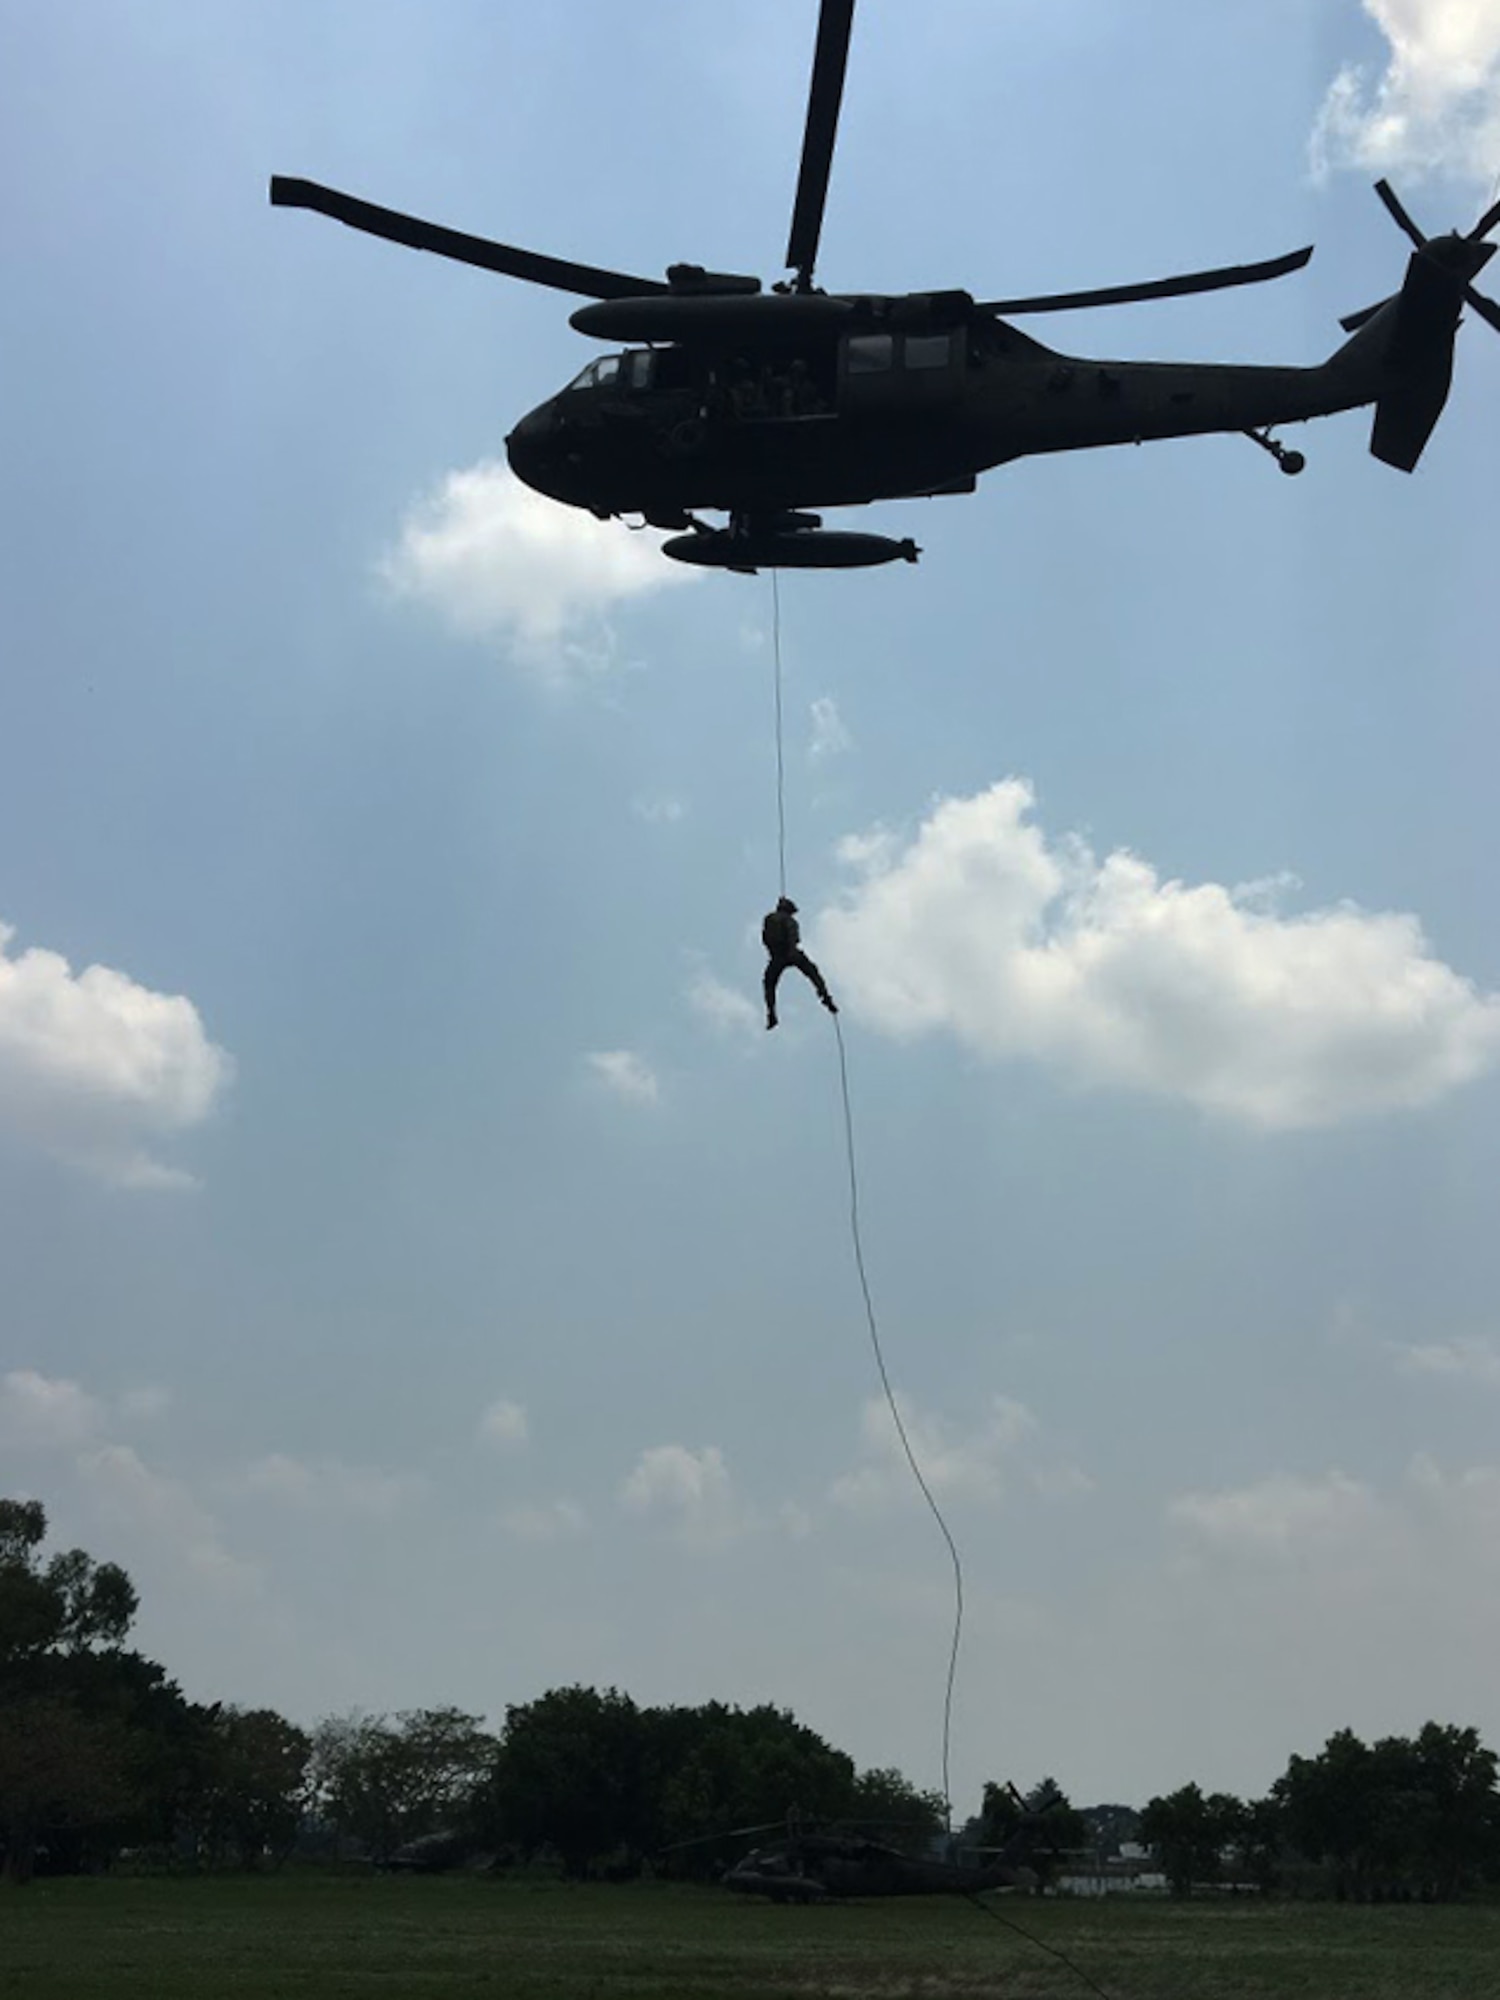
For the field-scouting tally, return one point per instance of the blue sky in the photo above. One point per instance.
(422, 1270)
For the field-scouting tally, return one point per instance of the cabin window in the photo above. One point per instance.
(638, 369)
(928, 350)
(869, 353)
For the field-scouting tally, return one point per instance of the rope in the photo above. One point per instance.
(780, 759)
(901, 1432)
(879, 1352)
(1010, 1923)
(1054, 1951)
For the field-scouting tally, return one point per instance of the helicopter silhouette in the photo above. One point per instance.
(834, 1861)
(809, 1865)
(765, 404)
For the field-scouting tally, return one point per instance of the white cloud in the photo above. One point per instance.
(1472, 1360)
(829, 736)
(544, 1520)
(1283, 1515)
(146, 1404)
(1436, 104)
(328, 1486)
(96, 1068)
(691, 1489)
(658, 809)
(42, 1413)
(496, 560)
(625, 1073)
(975, 1465)
(163, 1512)
(504, 1424)
(723, 1007)
(1025, 946)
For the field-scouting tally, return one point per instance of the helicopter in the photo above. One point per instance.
(809, 1866)
(765, 405)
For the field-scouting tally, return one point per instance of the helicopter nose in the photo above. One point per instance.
(534, 451)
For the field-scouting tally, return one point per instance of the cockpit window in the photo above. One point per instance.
(599, 374)
(638, 369)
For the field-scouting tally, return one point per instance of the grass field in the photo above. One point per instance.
(310, 1937)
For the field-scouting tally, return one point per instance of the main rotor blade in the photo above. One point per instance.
(452, 243)
(835, 21)
(1160, 288)
(1486, 308)
(1485, 223)
(724, 1833)
(1397, 213)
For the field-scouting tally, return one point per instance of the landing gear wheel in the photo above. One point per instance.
(1291, 463)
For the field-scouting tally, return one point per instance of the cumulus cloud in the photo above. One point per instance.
(975, 1464)
(1472, 1360)
(162, 1511)
(57, 1426)
(328, 1486)
(496, 560)
(625, 1073)
(544, 1520)
(1022, 945)
(658, 808)
(1435, 106)
(690, 1489)
(45, 1413)
(1279, 1516)
(829, 736)
(97, 1069)
(724, 1008)
(146, 1404)
(504, 1424)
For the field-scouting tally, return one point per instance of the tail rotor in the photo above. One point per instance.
(1458, 258)
(1414, 330)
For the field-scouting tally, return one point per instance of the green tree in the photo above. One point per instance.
(383, 1781)
(570, 1774)
(60, 1771)
(1190, 1833)
(896, 1812)
(252, 1784)
(66, 1605)
(65, 1752)
(1402, 1817)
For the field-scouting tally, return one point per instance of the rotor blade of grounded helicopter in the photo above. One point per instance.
(1397, 213)
(724, 1833)
(835, 20)
(1159, 288)
(530, 265)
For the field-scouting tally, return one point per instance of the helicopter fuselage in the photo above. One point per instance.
(912, 399)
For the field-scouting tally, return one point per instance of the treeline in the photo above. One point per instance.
(1405, 1818)
(100, 1752)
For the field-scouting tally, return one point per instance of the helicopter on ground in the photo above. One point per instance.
(763, 405)
(810, 1865)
